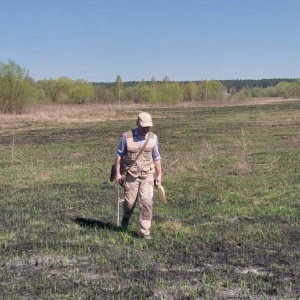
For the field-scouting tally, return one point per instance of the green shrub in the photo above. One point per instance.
(15, 90)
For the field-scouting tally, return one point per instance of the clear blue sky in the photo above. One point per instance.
(97, 40)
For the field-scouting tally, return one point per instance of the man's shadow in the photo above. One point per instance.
(91, 223)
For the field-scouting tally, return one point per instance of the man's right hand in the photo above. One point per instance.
(118, 177)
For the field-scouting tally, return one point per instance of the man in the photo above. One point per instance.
(137, 160)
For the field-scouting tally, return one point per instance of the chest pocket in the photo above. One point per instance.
(132, 155)
(147, 156)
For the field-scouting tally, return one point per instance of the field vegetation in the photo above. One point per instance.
(230, 229)
(19, 91)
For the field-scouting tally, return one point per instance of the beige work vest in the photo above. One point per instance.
(144, 165)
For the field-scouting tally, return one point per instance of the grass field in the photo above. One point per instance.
(230, 230)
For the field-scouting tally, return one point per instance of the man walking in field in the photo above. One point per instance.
(137, 160)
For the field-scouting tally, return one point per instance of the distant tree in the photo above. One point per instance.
(269, 91)
(215, 90)
(166, 80)
(118, 87)
(50, 87)
(191, 91)
(235, 85)
(81, 91)
(256, 92)
(282, 89)
(64, 85)
(153, 82)
(243, 94)
(169, 93)
(293, 90)
(211, 90)
(181, 91)
(15, 88)
(129, 94)
(56, 89)
(40, 95)
(104, 94)
(143, 92)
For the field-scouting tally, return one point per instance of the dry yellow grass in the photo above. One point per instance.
(65, 113)
(88, 113)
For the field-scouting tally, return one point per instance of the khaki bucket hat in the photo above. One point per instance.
(145, 119)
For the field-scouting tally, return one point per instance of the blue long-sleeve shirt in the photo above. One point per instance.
(141, 139)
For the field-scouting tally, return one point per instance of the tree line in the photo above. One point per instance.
(18, 89)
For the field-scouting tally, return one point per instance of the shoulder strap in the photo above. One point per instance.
(145, 144)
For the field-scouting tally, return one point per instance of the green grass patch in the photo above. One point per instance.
(230, 229)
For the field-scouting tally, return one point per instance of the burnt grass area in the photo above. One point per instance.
(153, 271)
(230, 229)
